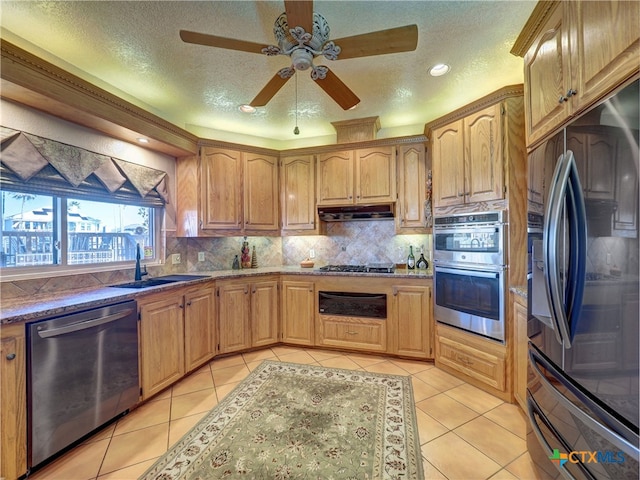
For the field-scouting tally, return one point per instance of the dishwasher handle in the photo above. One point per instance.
(93, 322)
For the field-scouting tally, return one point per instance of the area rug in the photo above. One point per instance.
(292, 421)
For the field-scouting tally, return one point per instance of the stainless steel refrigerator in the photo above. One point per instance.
(582, 384)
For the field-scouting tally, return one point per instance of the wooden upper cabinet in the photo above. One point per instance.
(468, 161)
(448, 165)
(578, 53)
(483, 159)
(238, 193)
(364, 176)
(375, 175)
(221, 189)
(260, 192)
(547, 78)
(412, 178)
(335, 178)
(604, 47)
(297, 196)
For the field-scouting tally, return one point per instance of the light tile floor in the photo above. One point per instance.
(465, 433)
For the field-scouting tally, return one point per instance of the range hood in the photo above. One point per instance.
(356, 212)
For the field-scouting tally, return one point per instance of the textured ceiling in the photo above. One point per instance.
(133, 50)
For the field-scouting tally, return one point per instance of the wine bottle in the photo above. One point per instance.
(411, 260)
(422, 262)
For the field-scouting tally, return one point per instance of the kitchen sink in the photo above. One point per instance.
(153, 282)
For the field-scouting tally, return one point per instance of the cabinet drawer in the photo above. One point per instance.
(353, 333)
(482, 365)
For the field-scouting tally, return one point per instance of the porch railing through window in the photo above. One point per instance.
(20, 249)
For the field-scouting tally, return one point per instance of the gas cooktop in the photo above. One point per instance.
(368, 268)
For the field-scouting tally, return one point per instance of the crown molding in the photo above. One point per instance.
(32, 81)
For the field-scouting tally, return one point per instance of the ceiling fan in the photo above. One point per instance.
(303, 35)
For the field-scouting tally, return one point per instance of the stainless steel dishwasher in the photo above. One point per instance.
(82, 371)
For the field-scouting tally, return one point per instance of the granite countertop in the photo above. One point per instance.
(520, 290)
(41, 306)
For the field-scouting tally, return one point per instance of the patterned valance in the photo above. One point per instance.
(32, 162)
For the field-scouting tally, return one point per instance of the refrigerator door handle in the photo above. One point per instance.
(549, 248)
(535, 360)
(533, 411)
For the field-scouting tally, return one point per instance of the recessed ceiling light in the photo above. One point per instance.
(143, 140)
(439, 69)
(246, 109)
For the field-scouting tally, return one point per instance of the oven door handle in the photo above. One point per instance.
(343, 297)
(470, 273)
(468, 230)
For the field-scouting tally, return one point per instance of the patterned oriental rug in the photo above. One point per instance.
(290, 421)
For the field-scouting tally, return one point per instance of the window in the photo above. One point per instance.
(35, 233)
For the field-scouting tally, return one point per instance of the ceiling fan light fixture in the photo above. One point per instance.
(439, 69)
(246, 108)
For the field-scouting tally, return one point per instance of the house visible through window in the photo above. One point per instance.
(47, 230)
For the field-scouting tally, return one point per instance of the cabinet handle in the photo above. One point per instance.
(246, 290)
(352, 333)
(254, 290)
(200, 223)
(181, 306)
(395, 291)
(188, 303)
(11, 356)
(570, 93)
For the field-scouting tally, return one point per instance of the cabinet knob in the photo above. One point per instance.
(246, 290)
(395, 291)
(11, 356)
(181, 306)
(571, 92)
(188, 303)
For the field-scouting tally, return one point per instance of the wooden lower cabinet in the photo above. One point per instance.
(264, 313)
(200, 329)
(177, 334)
(483, 363)
(13, 402)
(520, 348)
(411, 317)
(298, 311)
(354, 333)
(247, 313)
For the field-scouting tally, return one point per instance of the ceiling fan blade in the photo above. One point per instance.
(220, 42)
(269, 90)
(393, 40)
(337, 90)
(299, 14)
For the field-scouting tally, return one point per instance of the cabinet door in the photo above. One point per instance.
(298, 312)
(412, 177)
(604, 43)
(260, 192)
(625, 218)
(547, 78)
(596, 159)
(264, 313)
(221, 184)
(483, 168)
(521, 342)
(233, 317)
(448, 165)
(375, 175)
(335, 178)
(13, 413)
(298, 200)
(200, 337)
(412, 321)
(161, 343)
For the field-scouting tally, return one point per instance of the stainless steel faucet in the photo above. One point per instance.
(139, 273)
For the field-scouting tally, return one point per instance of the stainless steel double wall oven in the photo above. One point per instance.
(470, 272)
